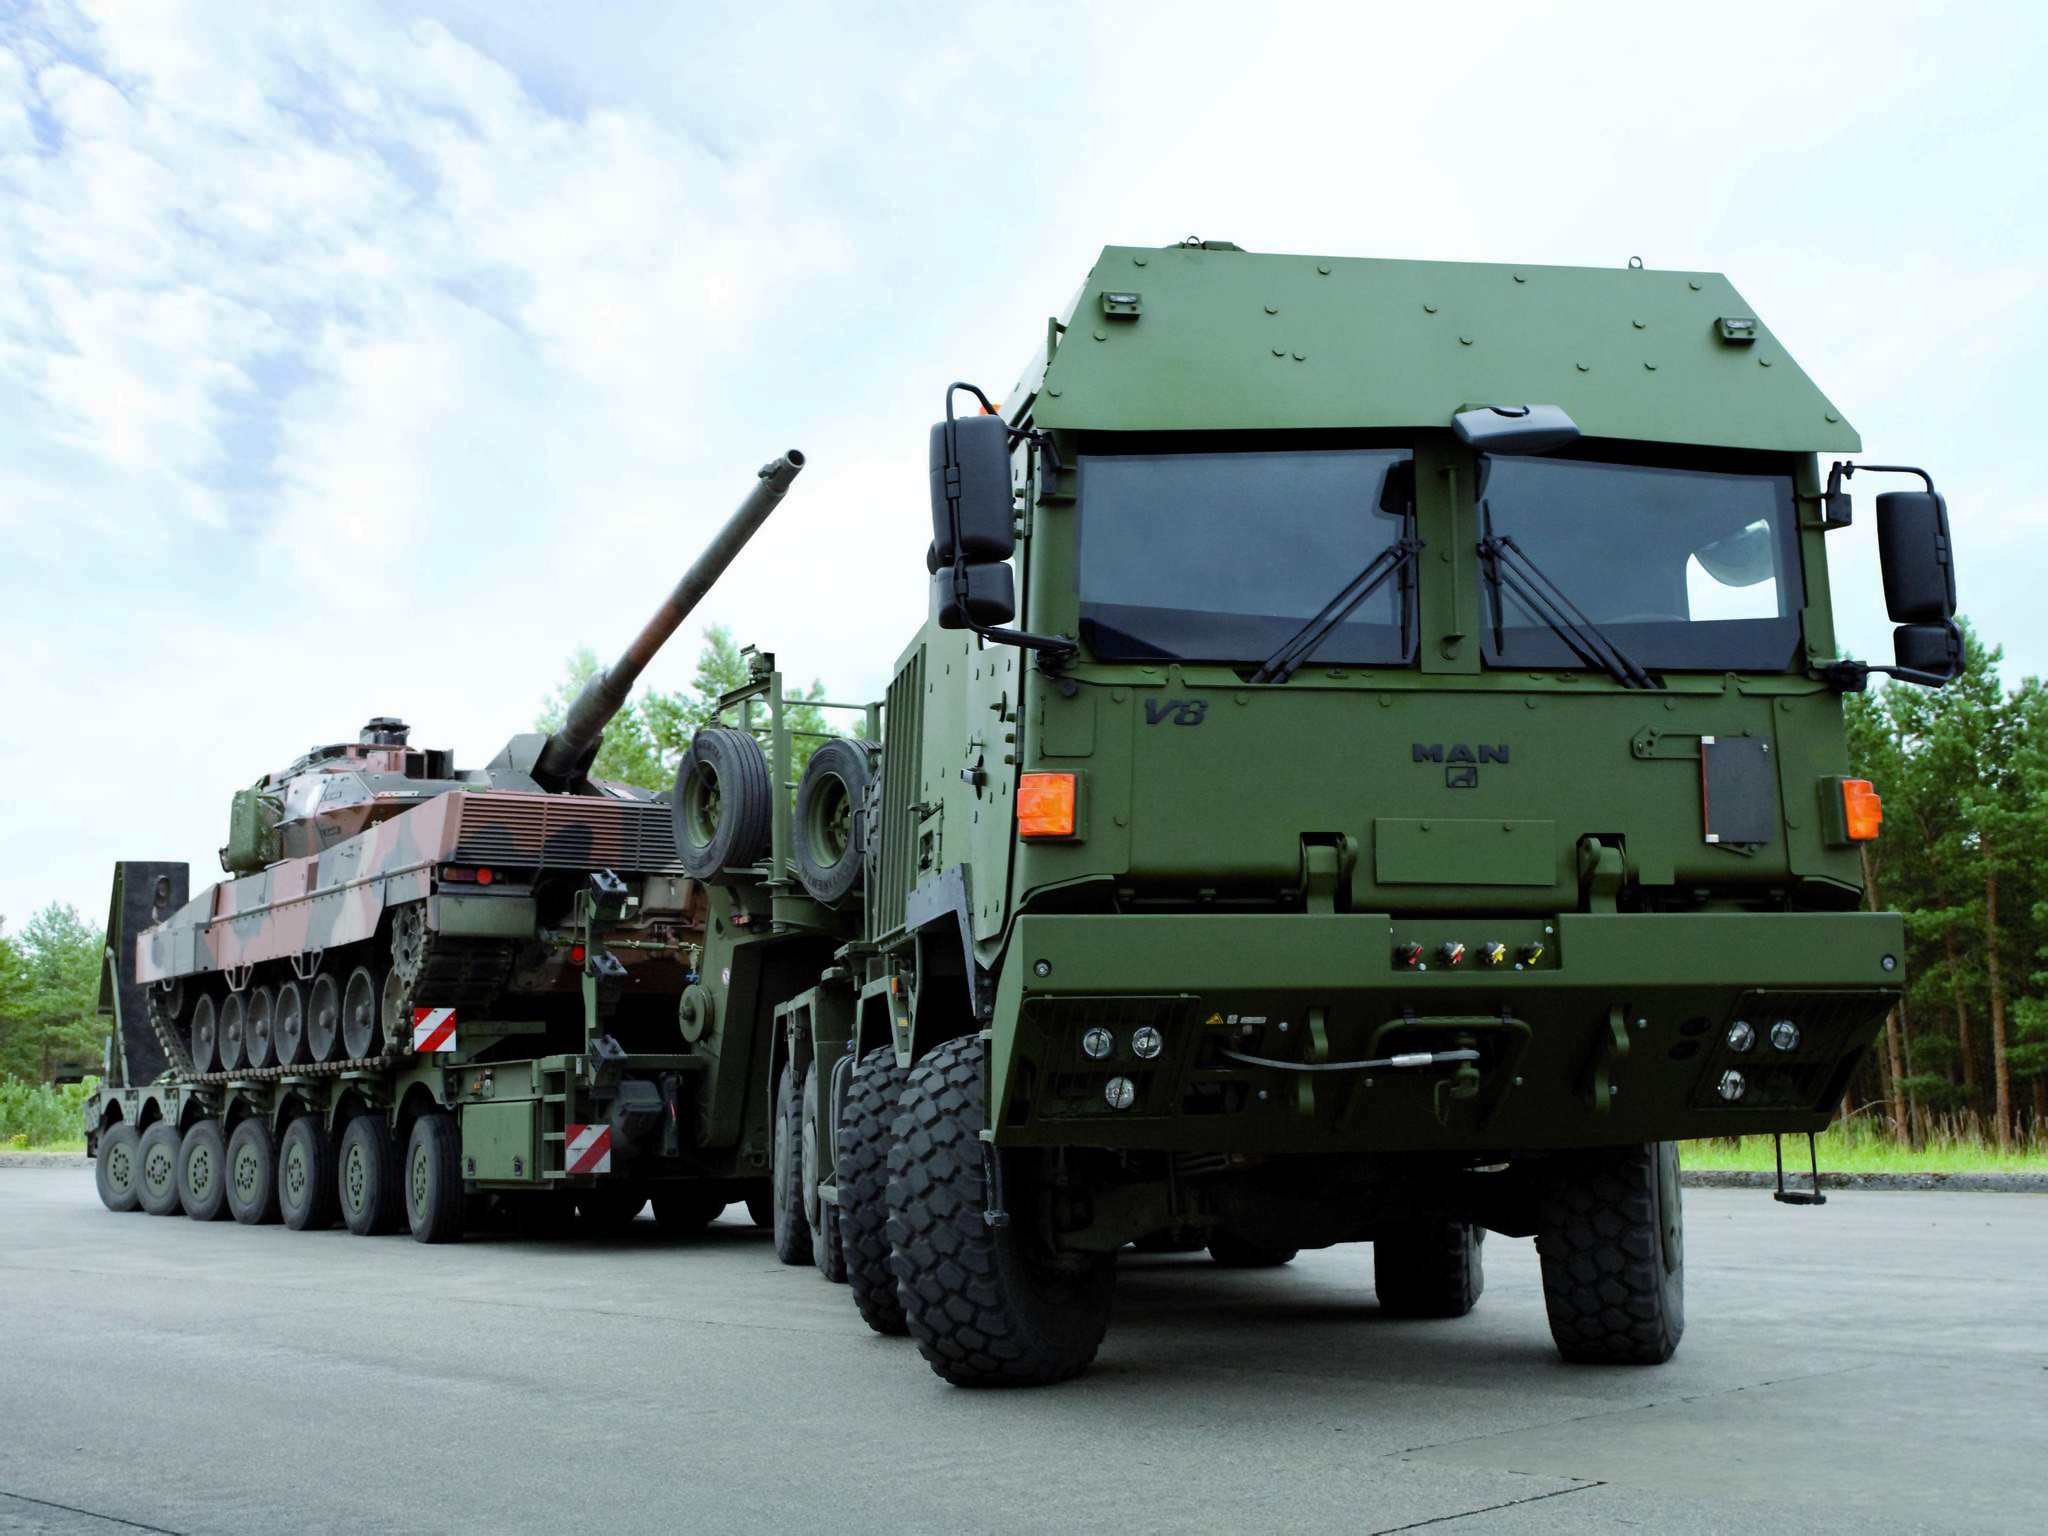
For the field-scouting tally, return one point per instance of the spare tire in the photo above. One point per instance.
(723, 802)
(830, 831)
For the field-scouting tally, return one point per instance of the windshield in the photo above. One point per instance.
(1224, 556)
(1683, 569)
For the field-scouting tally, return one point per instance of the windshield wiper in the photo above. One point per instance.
(1382, 568)
(1507, 567)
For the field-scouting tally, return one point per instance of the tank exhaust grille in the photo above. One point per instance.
(566, 832)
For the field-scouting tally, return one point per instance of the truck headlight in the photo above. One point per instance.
(1732, 1085)
(1147, 1042)
(1098, 1044)
(1741, 1036)
(1119, 1093)
(1785, 1035)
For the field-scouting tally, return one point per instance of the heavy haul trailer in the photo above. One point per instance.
(1419, 801)
(424, 990)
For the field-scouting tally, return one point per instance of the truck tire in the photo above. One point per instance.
(792, 1232)
(117, 1167)
(368, 1187)
(1430, 1269)
(686, 1212)
(1233, 1252)
(821, 1218)
(156, 1173)
(866, 1127)
(722, 804)
(203, 1172)
(983, 1302)
(828, 831)
(609, 1208)
(1610, 1238)
(433, 1179)
(306, 1184)
(252, 1174)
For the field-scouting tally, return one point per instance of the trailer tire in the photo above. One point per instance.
(252, 1174)
(985, 1308)
(822, 1219)
(156, 1169)
(203, 1171)
(722, 804)
(866, 1127)
(368, 1187)
(1430, 1269)
(828, 830)
(306, 1183)
(686, 1212)
(117, 1167)
(1610, 1238)
(434, 1197)
(792, 1232)
(1233, 1252)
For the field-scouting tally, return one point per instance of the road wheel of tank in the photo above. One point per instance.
(1610, 1235)
(156, 1176)
(865, 1128)
(394, 1009)
(722, 804)
(828, 830)
(117, 1167)
(761, 1210)
(1233, 1252)
(203, 1172)
(988, 1306)
(367, 1181)
(786, 1168)
(205, 1035)
(306, 1176)
(323, 1018)
(1429, 1269)
(258, 1046)
(683, 1211)
(609, 1208)
(288, 1024)
(252, 1174)
(361, 1014)
(433, 1178)
(821, 1217)
(234, 1009)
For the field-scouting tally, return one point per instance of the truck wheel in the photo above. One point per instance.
(828, 831)
(988, 1306)
(117, 1167)
(609, 1208)
(367, 1183)
(306, 1176)
(822, 1219)
(1233, 1252)
(865, 1129)
(203, 1172)
(156, 1174)
(792, 1232)
(433, 1179)
(722, 803)
(252, 1174)
(685, 1212)
(1610, 1236)
(1431, 1269)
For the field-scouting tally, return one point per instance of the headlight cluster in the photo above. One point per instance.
(1784, 1035)
(1098, 1044)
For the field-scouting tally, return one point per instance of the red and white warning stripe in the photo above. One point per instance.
(589, 1149)
(433, 1029)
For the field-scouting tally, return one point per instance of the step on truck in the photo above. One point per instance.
(1413, 800)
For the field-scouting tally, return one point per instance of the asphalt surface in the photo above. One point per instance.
(1880, 1365)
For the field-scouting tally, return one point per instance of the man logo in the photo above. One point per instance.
(1434, 752)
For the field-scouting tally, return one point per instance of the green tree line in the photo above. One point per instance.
(49, 986)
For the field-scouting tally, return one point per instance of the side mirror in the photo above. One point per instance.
(1515, 428)
(1928, 651)
(970, 463)
(991, 597)
(1913, 547)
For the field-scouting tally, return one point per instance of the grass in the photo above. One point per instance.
(1867, 1147)
(36, 1117)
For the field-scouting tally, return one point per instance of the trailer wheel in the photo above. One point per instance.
(722, 804)
(822, 1219)
(367, 1183)
(792, 1232)
(828, 829)
(988, 1305)
(1431, 1269)
(306, 1183)
(203, 1172)
(1610, 1236)
(865, 1129)
(156, 1175)
(1233, 1252)
(433, 1179)
(117, 1167)
(609, 1208)
(685, 1212)
(252, 1174)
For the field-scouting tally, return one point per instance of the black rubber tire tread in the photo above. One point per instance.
(156, 1169)
(825, 1230)
(1430, 1269)
(1233, 1252)
(369, 1185)
(761, 1210)
(203, 1172)
(746, 802)
(315, 1204)
(845, 762)
(432, 1179)
(786, 1165)
(252, 1174)
(866, 1126)
(1611, 1294)
(682, 1212)
(609, 1208)
(980, 1316)
(117, 1167)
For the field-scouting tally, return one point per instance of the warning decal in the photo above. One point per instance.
(433, 1029)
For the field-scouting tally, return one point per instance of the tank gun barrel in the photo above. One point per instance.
(564, 754)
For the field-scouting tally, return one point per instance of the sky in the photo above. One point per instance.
(368, 358)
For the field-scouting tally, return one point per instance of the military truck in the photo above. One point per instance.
(425, 991)
(1419, 800)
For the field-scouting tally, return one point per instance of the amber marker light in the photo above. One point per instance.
(1861, 810)
(1045, 805)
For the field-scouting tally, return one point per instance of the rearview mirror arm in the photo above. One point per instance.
(1056, 649)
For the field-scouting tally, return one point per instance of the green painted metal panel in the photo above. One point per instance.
(1450, 851)
(510, 917)
(500, 1141)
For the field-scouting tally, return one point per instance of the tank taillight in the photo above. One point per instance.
(467, 874)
